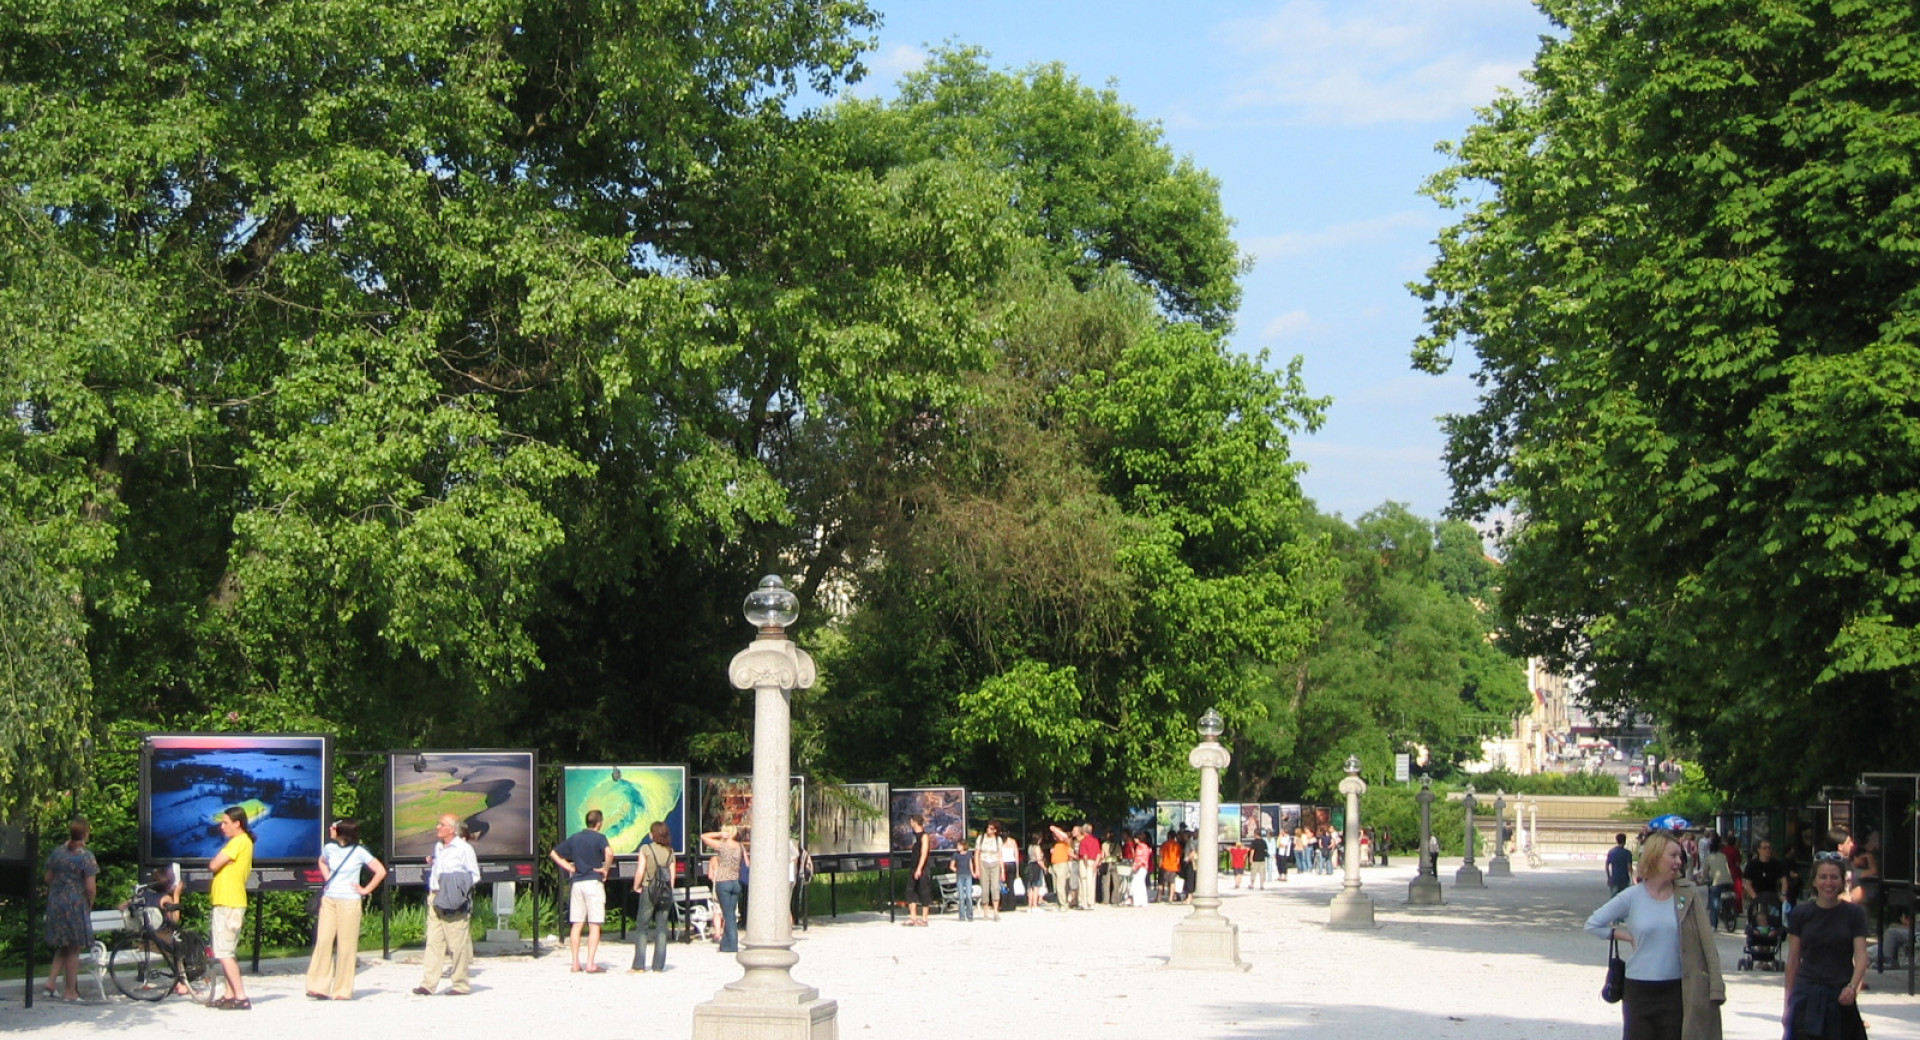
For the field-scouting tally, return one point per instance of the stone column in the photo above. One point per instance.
(1499, 865)
(766, 1002)
(1468, 876)
(1351, 908)
(1424, 889)
(1205, 939)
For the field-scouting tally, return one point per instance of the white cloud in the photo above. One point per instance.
(1382, 61)
(1291, 323)
(1340, 236)
(886, 66)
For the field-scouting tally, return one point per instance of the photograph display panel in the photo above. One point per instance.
(1008, 808)
(492, 792)
(190, 779)
(851, 819)
(729, 800)
(1290, 819)
(944, 808)
(630, 799)
(1169, 817)
(1254, 821)
(1138, 821)
(1229, 831)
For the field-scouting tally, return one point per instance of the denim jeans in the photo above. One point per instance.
(659, 931)
(729, 893)
(963, 894)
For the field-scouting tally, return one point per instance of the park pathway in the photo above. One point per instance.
(1504, 963)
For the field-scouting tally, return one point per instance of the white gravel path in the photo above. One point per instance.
(1505, 963)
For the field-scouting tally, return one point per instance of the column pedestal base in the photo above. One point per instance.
(792, 1015)
(1350, 909)
(1468, 876)
(1424, 891)
(1207, 945)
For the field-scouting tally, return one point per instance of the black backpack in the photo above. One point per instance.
(659, 887)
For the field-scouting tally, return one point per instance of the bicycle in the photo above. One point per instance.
(148, 961)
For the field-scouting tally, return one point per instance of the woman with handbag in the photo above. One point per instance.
(1673, 987)
(336, 934)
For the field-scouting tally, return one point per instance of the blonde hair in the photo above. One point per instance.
(1651, 850)
(728, 831)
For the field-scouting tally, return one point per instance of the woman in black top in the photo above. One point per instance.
(1826, 961)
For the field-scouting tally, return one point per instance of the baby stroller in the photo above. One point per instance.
(1764, 934)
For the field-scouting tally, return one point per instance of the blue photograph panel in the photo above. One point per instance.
(281, 782)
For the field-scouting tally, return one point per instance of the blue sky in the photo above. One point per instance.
(1320, 120)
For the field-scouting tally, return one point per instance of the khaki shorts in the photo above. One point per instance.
(588, 904)
(226, 930)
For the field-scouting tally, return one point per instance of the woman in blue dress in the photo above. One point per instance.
(71, 871)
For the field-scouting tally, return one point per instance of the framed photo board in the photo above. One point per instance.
(944, 808)
(493, 793)
(729, 799)
(630, 798)
(188, 780)
(850, 819)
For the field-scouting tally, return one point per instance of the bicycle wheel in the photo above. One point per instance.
(139, 971)
(194, 969)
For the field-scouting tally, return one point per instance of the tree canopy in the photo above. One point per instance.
(1686, 263)
(445, 373)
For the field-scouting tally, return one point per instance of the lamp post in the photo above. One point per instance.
(766, 1001)
(1351, 908)
(1424, 889)
(1498, 865)
(1468, 876)
(1205, 939)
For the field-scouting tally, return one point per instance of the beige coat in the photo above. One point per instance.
(1702, 990)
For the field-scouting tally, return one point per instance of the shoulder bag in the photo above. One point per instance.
(1616, 985)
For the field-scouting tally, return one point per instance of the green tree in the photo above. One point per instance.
(1685, 262)
(1403, 657)
(318, 318)
(1091, 180)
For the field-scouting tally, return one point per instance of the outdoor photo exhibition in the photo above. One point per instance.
(822, 519)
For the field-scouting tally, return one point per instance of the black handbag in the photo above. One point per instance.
(1616, 986)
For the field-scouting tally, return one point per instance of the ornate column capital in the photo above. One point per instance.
(771, 663)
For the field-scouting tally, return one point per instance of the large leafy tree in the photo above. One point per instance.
(1687, 262)
(323, 321)
(1116, 547)
(1404, 658)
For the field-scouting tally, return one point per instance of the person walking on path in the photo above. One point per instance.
(1674, 989)
(986, 861)
(1619, 865)
(963, 880)
(336, 933)
(724, 871)
(1060, 862)
(1826, 961)
(231, 866)
(1142, 859)
(1259, 853)
(920, 889)
(1034, 872)
(452, 869)
(1089, 864)
(655, 867)
(72, 880)
(586, 858)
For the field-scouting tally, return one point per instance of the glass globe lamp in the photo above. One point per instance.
(771, 608)
(1212, 725)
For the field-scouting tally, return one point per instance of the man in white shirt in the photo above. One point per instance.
(449, 932)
